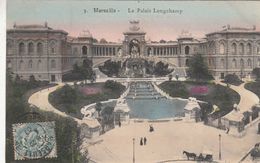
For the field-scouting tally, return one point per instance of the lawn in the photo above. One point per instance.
(71, 99)
(221, 96)
(254, 87)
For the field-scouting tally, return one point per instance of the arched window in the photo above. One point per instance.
(119, 51)
(234, 48)
(187, 50)
(39, 64)
(30, 48)
(9, 47)
(21, 65)
(52, 48)
(149, 51)
(30, 64)
(75, 51)
(248, 49)
(249, 63)
(21, 48)
(234, 63)
(84, 50)
(40, 48)
(241, 49)
(9, 64)
(258, 48)
(222, 63)
(222, 48)
(53, 64)
(187, 62)
(242, 63)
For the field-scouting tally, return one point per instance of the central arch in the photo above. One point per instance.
(134, 48)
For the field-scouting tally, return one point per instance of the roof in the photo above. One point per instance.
(34, 27)
(91, 122)
(235, 116)
(229, 29)
(192, 104)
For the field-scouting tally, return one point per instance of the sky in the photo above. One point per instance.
(197, 17)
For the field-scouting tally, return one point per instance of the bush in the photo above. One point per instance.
(232, 79)
(256, 72)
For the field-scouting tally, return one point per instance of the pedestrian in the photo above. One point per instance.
(141, 141)
(145, 140)
(151, 128)
(119, 123)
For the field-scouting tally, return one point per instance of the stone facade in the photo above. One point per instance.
(48, 53)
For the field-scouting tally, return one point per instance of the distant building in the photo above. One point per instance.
(48, 53)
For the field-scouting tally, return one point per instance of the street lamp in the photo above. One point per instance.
(219, 146)
(133, 150)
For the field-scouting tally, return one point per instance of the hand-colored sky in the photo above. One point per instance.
(198, 17)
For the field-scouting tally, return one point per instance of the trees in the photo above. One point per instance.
(82, 72)
(111, 68)
(256, 72)
(198, 69)
(232, 79)
(161, 69)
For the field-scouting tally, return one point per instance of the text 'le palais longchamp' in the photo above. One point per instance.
(137, 10)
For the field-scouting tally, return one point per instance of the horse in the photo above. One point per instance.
(189, 155)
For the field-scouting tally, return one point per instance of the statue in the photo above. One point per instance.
(134, 51)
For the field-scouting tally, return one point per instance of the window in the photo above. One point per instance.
(234, 48)
(40, 48)
(242, 63)
(53, 64)
(249, 63)
(258, 48)
(9, 64)
(21, 65)
(149, 51)
(75, 51)
(52, 48)
(249, 49)
(84, 50)
(30, 48)
(9, 47)
(187, 62)
(21, 48)
(222, 48)
(187, 50)
(30, 64)
(222, 62)
(234, 63)
(39, 64)
(241, 49)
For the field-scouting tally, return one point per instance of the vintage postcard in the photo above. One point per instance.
(132, 81)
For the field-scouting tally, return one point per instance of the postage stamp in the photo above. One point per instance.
(34, 140)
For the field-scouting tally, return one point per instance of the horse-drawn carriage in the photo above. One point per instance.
(255, 152)
(205, 155)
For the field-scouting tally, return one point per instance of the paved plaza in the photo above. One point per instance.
(168, 141)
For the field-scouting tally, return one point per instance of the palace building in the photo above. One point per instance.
(48, 53)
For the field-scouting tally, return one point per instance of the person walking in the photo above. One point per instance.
(119, 123)
(141, 141)
(145, 140)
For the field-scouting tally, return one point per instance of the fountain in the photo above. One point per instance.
(145, 102)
